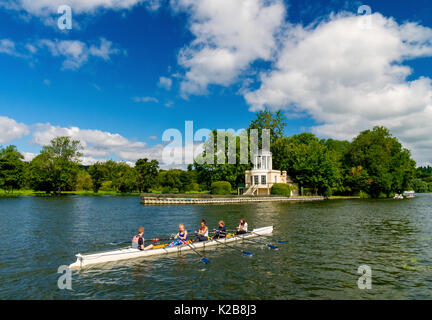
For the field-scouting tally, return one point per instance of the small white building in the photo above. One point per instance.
(261, 178)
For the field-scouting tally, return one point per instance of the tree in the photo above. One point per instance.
(56, 168)
(388, 168)
(274, 121)
(419, 186)
(12, 169)
(84, 181)
(97, 173)
(147, 173)
(125, 179)
(309, 162)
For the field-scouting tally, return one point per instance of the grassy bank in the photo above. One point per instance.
(23, 193)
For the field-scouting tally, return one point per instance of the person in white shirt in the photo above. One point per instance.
(242, 228)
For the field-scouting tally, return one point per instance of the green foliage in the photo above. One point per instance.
(97, 173)
(274, 121)
(207, 173)
(221, 187)
(380, 164)
(84, 181)
(309, 162)
(166, 189)
(147, 173)
(419, 186)
(12, 169)
(56, 168)
(429, 187)
(281, 189)
(107, 186)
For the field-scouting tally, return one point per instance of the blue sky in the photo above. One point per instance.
(142, 67)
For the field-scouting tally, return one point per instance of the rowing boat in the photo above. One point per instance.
(131, 253)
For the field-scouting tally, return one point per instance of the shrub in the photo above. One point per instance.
(166, 189)
(107, 186)
(430, 187)
(363, 195)
(281, 189)
(175, 190)
(221, 187)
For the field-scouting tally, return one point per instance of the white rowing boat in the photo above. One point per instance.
(130, 253)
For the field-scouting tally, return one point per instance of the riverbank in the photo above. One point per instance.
(31, 193)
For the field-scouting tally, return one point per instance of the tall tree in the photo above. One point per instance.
(97, 173)
(274, 121)
(147, 173)
(56, 168)
(12, 169)
(387, 166)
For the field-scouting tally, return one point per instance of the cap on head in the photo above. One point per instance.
(140, 229)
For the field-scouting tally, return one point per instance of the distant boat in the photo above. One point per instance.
(398, 196)
(409, 194)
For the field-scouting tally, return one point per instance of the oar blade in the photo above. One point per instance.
(205, 260)
(272, 247)
(247, 253)
(283, 242)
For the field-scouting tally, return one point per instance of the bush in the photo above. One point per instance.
(175, 190)
(430, 187)
(166, 189)
(221, 187)
(281, 189)
(363, 195)
(107, 186)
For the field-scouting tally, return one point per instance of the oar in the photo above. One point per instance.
(267, 244)
(260, 235)
(235, 248)
(203, 259)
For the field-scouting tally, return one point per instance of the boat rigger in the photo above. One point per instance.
(133, 253)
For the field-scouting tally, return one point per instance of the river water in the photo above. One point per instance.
(326, 243)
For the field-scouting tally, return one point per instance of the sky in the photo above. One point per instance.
(128, 70)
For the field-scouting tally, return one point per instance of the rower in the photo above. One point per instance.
(138, 240)
(181, 236)
(202, 234)
(242, 228)
(221, 230)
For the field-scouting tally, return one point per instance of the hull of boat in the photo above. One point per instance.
(130, 253)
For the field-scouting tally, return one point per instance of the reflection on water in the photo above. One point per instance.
(326, 243)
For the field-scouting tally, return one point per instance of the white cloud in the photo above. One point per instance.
(229, 36)
(165, 83)
(7, 46)
(350, 78)
(76, 53)
(145, 99)
(96, 144)
(48, 7)
(11, 130)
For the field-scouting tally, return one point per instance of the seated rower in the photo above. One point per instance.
(138, 240)
(202, 234)
(242, 228)
(181, 236)
(220, 232)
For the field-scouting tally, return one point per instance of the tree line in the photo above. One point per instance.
(373, 164)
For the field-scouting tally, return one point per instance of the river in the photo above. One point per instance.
(326, 243)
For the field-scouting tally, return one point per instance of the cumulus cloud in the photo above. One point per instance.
(96, 143)
(229, 36)
(11, 130)
(350, 78)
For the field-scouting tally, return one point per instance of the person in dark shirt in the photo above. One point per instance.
(138, 240)
(221, 230)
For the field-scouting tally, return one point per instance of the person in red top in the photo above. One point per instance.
(138, 240)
